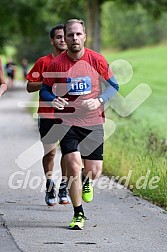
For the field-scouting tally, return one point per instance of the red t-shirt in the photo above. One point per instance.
(36, 75)
(78, 81)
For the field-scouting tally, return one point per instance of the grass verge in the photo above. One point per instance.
(139, 143)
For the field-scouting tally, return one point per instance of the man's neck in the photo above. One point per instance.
(76, 55)
(56, 53)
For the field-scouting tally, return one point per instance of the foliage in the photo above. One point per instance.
(153, 7)
(32, 50)
(20, 18)
(117, 28)
(29, 24)
(68, 9)
(25, 24)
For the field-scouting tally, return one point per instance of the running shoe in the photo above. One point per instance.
(77, 222)
(87, 191)
(50, 197)
(63, 196)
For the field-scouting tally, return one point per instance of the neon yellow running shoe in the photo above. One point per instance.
(77, 222)
(87, 191)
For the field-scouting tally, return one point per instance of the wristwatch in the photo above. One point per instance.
(101, 100)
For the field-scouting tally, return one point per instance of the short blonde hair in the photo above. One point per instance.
(74, 20)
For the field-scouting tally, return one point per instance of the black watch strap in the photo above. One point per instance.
(101, 100)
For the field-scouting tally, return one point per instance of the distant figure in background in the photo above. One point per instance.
(3, 85)
(24, 65)
(10, 71)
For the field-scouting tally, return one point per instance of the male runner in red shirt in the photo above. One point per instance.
(35, 78)
(73, 88)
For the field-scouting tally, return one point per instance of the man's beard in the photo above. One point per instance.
(75, 48)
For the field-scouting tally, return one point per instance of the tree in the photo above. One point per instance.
(146, 29)
(89, 11)
(20, 18)
(154, 7)
(93, 11)
(93, 23)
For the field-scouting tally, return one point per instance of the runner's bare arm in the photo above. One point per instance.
(33, 86)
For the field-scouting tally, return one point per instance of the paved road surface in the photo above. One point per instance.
(117, 221)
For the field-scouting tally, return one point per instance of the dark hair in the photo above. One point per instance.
(57, 27)
(72, 21)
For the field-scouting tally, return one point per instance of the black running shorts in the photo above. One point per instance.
(50, 130)
(87, 140)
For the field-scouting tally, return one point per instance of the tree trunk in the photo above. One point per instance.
(93, 24)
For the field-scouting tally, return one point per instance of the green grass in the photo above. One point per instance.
(140, 140)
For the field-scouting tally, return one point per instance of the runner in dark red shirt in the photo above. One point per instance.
(72, 85)
(80, 81)
(35, 78)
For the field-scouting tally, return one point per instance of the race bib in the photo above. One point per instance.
(79, 85)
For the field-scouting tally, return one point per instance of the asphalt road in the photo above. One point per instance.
(117, 220)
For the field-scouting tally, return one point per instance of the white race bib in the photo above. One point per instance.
(79, 85)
